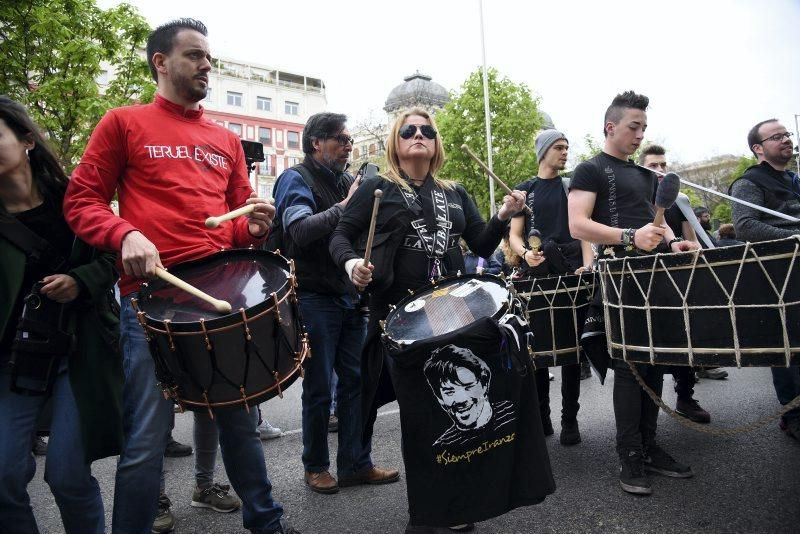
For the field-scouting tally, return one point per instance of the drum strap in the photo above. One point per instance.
(433, 228)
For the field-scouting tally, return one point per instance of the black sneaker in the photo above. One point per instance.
(333, 423)
(690, 409)
(286, 528)
(632, 477)
(39, 446)
(656, 460)
(586, 370)
(164, 521)
(176, 450)
(570, 434)
(547, 425)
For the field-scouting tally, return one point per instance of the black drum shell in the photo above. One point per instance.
(183, 359)
(704, 330)
(555, 307)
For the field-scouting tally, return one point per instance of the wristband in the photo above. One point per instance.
(676, 240)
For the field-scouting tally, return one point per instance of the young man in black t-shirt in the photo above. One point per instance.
(560, 254)
(611, 204)
(654, 157)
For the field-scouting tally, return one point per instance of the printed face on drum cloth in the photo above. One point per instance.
(556, 156)
(331, 152)
(12, 151)
(416, 146)
(657, 162)
(187, 65)
(465, 400)
(628, 133)
(771, 150)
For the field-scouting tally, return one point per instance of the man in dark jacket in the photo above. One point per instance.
(772, 185)
(309, 198)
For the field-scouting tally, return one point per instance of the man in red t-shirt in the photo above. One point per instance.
(171, 168)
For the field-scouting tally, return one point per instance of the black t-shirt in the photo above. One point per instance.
(624, 191)
(674, 218)
(46, 221)
(549, 212)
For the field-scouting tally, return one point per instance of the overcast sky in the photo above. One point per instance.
(711, 68)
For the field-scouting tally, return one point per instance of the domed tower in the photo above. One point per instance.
(416, 90)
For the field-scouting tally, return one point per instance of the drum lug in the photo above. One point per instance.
(167, 322)
(143, 324)
(410, 292)
(244, 398)
(276, 305)
(458, 272)
(383, 324)
(392, 307)
(135, 304)
(247, 334)
(205, 334)
(276, 376)
(208, 405)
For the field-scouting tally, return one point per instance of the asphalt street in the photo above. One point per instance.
(745, 483)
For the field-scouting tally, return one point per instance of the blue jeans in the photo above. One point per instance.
(336, 330)
(147, 424)
(787, 386)
(69, 476)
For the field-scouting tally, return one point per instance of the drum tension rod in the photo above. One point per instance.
(205, 334)
(143, 324)
(208, 405)
(276, 303)
(276, 376)
(169, 334)
(246, 327)
(244, 398)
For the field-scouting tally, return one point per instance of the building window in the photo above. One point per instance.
(234, 99)
(235, 128)
(293, 139)
(265, 136)
(293, 161)
(208, 95)
(263, 190)
(291, 108)
(263, 103)
(265, 167)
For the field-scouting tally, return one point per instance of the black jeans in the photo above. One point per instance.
(570, 391)
(684, 381)
(635, 414)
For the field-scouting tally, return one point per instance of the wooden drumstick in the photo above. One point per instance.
(500, 182)
(219, 305)
(213, 222)
(372, 222)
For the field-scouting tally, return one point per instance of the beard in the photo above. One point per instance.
(187, 88)
(334, 164)
(706, 225)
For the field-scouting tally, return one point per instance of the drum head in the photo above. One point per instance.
(446, 306)
(244, 278)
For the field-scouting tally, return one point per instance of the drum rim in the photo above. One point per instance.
(500, 280)
(225, 322)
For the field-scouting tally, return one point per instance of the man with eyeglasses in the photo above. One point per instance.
(772, 185)
(309, 200)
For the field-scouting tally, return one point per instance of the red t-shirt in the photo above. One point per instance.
(172, 169)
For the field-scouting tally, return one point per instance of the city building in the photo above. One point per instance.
(265, 105)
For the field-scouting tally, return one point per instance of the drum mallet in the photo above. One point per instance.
(372, 222)
(219, 305)
(213, 222)
(500, 182)
(666, 194)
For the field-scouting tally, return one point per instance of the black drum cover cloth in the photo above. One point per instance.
(555, 307)
(472, 437)
(729, 306)
(206, 359)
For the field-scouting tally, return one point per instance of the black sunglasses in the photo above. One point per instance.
(342, 139)
(408, 131)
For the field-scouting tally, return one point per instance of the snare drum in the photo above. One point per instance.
(206, 360)
(556, 307)
(728, 306)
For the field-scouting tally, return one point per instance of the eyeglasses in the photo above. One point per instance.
(342, 139)
(778, 137)
(409, 130)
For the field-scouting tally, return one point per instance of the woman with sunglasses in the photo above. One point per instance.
(406, 257)
(80, 369)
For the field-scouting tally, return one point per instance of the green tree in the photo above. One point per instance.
(515, 119)
(53, 53)
(593, 148)
(722, 213)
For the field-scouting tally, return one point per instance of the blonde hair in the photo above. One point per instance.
(394, 173)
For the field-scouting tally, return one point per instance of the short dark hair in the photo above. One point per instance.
(651, 150)
(753, 137)
(621, 102)
(445, 362)
(162, 39)
(321, 126)
(47, 172)
(699, 210)
(727, 231)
